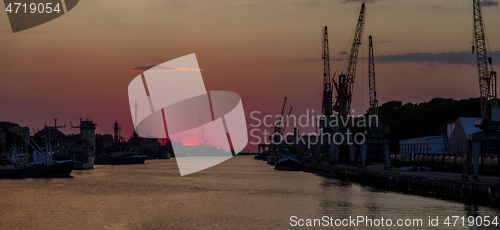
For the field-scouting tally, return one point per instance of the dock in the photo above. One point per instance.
(445, 185)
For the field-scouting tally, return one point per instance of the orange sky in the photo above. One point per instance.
(75, 66)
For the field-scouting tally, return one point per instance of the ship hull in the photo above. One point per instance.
(57, 170)
(82, 165)
(288, 165)
(124, 160)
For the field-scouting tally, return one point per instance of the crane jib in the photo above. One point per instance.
(487, 79)
(345, 93)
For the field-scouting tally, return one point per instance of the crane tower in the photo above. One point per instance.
(342, 104)
(373, 110)
(487, 78)
(346, 79)
(327, 84)
(481, 145)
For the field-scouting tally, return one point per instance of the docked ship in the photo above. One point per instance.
(17, 165)
(288, 163)
(84, 151)
(83, 156)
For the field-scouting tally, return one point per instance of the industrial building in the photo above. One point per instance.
(22, 132)
(462, 133)
(459, 133)
(428, 144)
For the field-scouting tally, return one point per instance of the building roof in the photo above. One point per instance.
(19, 129)
(51, 130)
(468, 124)
(423, 138)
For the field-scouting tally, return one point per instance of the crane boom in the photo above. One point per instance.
(286, 124)
(487, 79)
(279, 126)
(373, 110)
(327, 85)
(346, 80)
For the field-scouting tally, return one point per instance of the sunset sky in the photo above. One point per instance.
(76, 66)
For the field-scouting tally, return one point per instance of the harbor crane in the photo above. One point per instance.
(487, 78)
(286, 124)
(373, 110)
(327, 84)
(375, 133)
(346, 79)
(278, 127)
(344, 88)
(327, 104)
(490, 113)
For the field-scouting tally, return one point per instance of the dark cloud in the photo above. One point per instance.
(486, 3)
(146, 67)
(456, 58)
(430, 59)
(343, 52)
(140, 68)
(161, 68)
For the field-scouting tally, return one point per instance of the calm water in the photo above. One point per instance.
(240, 193)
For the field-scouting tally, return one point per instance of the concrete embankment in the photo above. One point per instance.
(432, 183)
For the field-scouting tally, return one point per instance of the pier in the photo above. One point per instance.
(446, 185)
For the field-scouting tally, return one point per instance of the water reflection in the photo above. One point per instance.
(238, 193)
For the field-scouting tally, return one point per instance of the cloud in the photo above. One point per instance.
(161, 68)
(452, 58)
(455, 58)
(487, 3)
(343, 52)
(140, 68)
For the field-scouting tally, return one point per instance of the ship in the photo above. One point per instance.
(17, 165)
(83, 156)
(84, 150)
(288, 163)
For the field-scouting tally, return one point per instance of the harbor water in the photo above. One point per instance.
(241, 193)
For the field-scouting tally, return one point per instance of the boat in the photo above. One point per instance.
(89, 164)
(121, 159)
(288, 163)
(271, 160)
(17, 165)
(261, 156)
